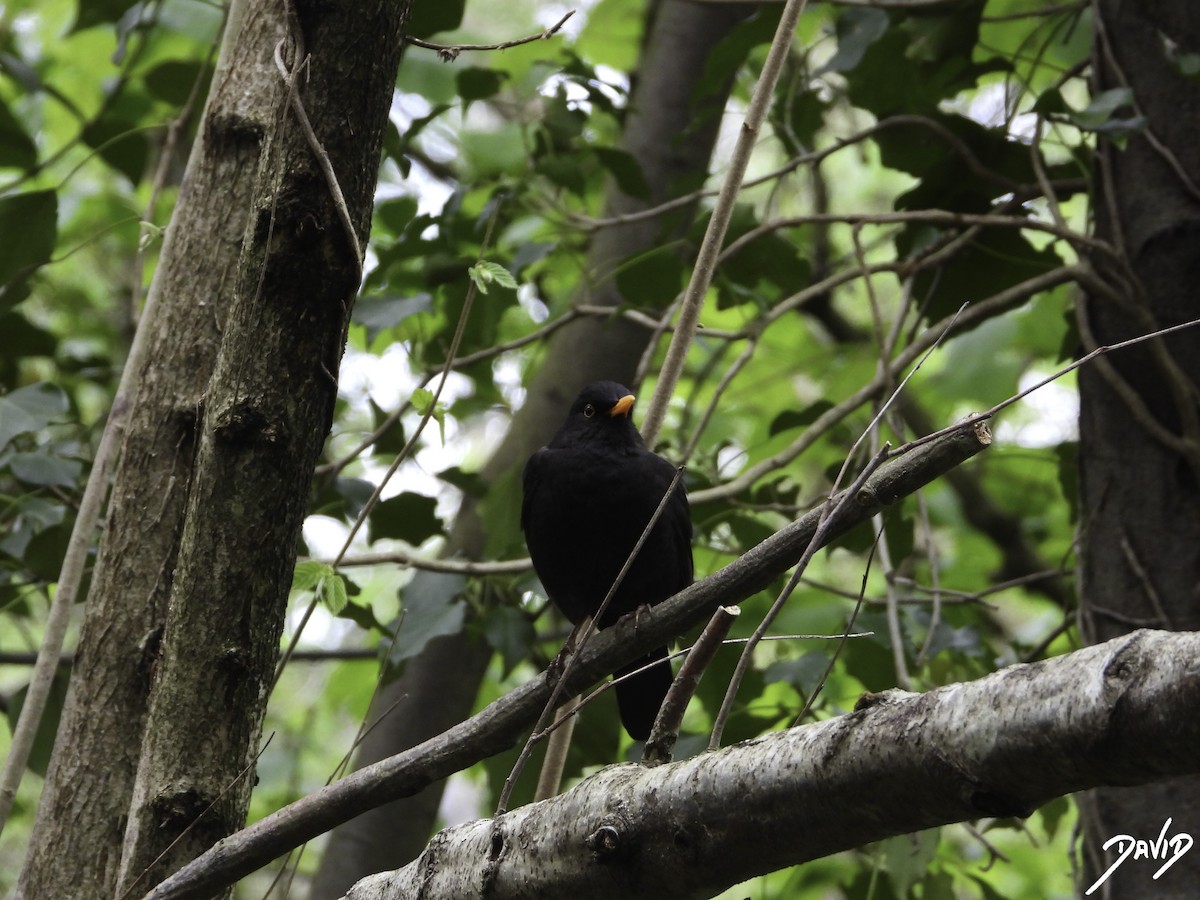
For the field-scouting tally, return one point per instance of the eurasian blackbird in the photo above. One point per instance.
(589, 495)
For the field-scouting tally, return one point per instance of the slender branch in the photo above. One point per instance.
(430, 564)
(449, 53)
(665, 732)
(970, 317)
(830, 516)
(310, 136)
(1083, 360)
(499, 725)
(718, 223)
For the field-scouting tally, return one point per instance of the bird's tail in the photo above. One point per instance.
(639, 697)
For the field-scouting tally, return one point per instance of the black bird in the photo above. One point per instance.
(589, 495)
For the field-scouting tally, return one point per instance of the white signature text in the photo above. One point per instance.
(1165, 848)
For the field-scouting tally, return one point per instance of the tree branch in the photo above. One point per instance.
(1113, 714)
(499, 726)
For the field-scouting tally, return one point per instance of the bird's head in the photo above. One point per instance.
(602, 413)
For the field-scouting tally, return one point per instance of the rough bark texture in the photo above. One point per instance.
(265, 414)
(1140, 531)
(671, 133)
(76, 845)
(999, 746)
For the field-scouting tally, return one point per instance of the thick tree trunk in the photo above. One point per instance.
(671, 132)
(1140, 460)
(266, 413)
(212, 488)
(76, 845)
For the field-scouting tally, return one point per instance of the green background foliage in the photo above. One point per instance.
(961, 108)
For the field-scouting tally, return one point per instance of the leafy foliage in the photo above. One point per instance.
(968, 109)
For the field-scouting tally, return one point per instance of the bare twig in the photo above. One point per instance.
(666, 724)
(846, 634)
(1083, 360)
(969, 317)
(335, 189)
(430, 564)
(830, 517)
(718, 223)
(449, 53)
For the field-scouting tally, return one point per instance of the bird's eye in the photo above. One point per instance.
(589, 410)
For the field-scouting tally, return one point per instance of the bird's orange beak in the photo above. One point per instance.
(622, 406)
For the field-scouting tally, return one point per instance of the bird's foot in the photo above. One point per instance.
(559, 663)
(636, 615)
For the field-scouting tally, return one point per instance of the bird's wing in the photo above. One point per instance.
(681, 521)
(677, 517)
(531, 478)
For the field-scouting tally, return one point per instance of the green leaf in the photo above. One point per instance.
(625, 171)
(1068, 475)
(917, 63)
(475, 83)
(43, 743)
(30, 409)
(309, 573)
(612, 34)
(44, 469)
(364, 617)
(803, 673)
(907, 857)
(1186, 64)
(101, 12)
(379, 312)
(332, 593)
(422, 400)
(857, 29)
(652, 279)
(798, 418)
(484, 273)
(431, 608)
(29, 223)
(470, 483)
(762, 270)
(729, 55)
(119, 141)
(428, 19)
(1102, 109)
(16, 146)
(510, 632)
(407, 517)
(172, 81)
(995, 260)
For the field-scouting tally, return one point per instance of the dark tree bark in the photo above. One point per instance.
(267, 410)
(76, 845)
(1140, 423)
(231, 415)
(670, 131)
